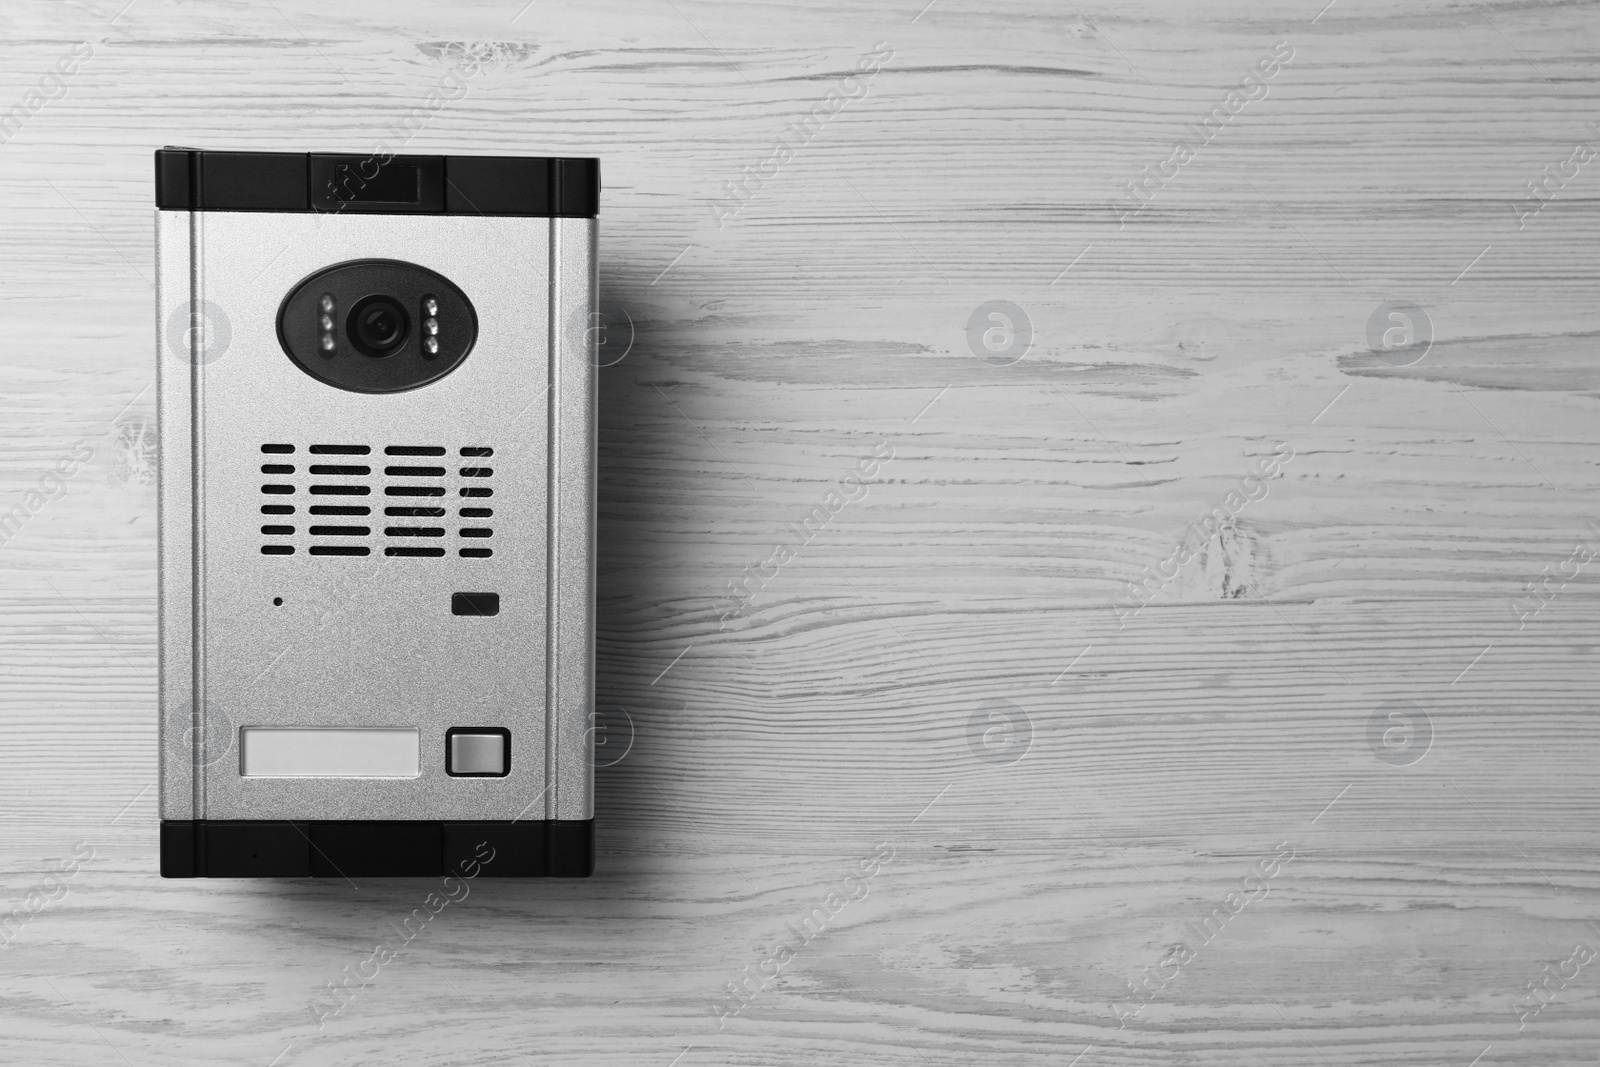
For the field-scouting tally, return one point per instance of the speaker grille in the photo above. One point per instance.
(432, 503)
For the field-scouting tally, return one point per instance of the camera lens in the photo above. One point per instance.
(378, 326)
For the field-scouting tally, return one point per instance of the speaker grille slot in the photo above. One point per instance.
(428, 484)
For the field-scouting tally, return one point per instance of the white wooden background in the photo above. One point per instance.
(771, 355)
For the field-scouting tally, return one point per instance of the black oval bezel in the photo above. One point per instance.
(406, 366)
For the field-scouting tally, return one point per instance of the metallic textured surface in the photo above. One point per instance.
(175, 556)
(572, 534)
(371, 641)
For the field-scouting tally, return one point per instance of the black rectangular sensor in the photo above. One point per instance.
(370, 183)
(474, 603)
(398, 183)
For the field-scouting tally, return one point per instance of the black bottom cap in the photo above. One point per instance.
(283, 849)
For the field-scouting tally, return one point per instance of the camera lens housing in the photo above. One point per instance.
(377, 326)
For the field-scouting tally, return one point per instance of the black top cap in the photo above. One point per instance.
(189, 179)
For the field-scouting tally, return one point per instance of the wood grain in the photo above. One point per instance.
(836, 712)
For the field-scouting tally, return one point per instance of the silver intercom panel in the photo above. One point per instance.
(377, 471)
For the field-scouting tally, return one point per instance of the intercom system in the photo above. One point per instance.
(377, 472)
